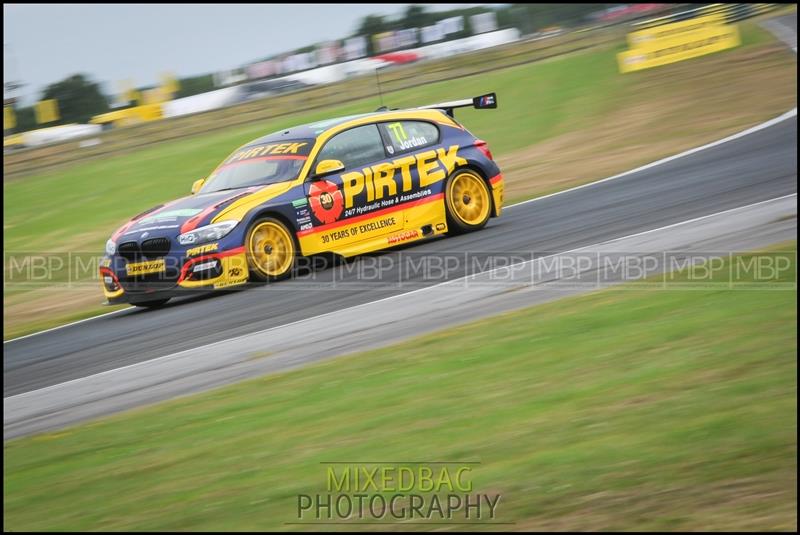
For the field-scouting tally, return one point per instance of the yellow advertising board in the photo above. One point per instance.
(679, 47)
(153, 96)
(129, 116)
(46, 111)
(169, 84)
(9, 118)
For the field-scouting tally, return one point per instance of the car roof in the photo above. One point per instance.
(313, 130)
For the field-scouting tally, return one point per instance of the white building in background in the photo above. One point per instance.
(55, 134)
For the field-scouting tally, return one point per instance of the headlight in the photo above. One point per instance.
(111, 247)
(207, 233)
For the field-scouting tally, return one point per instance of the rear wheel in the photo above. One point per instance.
(155, 303)
(271, 250)
(467, 201)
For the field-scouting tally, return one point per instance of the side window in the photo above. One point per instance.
(354, 147)
(405, 136)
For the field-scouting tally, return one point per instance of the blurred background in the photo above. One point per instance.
(617, 410)
(133, 64)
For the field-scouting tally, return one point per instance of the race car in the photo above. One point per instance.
(344, 187)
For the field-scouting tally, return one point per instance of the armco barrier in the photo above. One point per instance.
(640, 38)
(729, 12)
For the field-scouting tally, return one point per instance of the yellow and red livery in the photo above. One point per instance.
(345, 186)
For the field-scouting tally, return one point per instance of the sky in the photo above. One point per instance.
(44, 43)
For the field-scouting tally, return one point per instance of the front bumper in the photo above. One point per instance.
(497, 194)
(177, 278)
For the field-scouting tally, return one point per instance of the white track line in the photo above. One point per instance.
(766, 124)
(425, 289)
(66, 325)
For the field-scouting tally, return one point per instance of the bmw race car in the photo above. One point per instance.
(344, 186)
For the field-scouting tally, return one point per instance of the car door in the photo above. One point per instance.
(357, 203)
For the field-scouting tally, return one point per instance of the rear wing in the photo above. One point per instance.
(488, 101)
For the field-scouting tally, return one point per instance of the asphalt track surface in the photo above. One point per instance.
(752, 168)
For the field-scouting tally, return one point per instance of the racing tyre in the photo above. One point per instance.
(271, 250)
(467, 201)
(151, 304)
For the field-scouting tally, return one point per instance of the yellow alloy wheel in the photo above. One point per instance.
(270, 249)
(468, 199)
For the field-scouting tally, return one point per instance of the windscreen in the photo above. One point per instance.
(262, 164)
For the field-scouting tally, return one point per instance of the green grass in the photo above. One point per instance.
(623, 409)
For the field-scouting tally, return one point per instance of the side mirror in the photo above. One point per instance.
(197, 185)
(327, 167)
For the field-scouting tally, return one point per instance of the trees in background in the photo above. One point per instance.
(535, 17)
(194, 85)
(79, 99)
(528, 18)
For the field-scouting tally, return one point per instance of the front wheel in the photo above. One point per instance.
(467, 200)
(271, 250)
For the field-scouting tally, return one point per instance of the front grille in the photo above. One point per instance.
(155, 248)
(129, 250)
(150, 249)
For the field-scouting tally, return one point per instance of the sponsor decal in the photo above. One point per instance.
(202, 249)
(302, 213)
(440, 226)
(485, 101)
(377, 225)
(361, 231)
(300, 148)
(224, 284)
(235, 272)
(403, 236)
(390, 179)
(326, 201)
(143, 268)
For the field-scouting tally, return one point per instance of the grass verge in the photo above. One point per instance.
(623, 409)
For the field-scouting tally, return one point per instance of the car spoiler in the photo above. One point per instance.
(482, 102)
